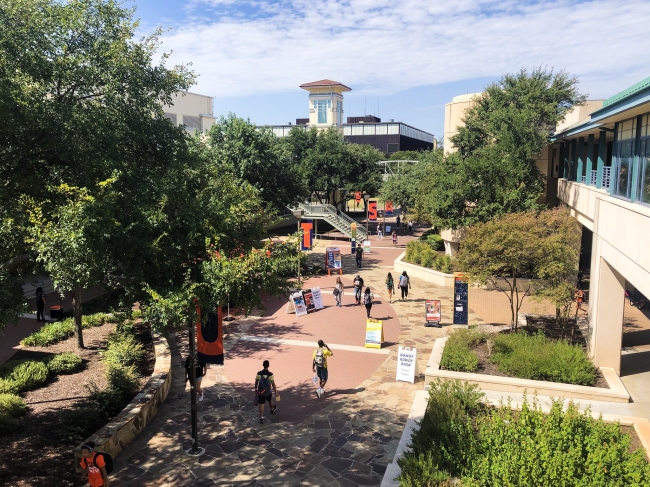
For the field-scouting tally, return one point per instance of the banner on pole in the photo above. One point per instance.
(374, 333)
(389, 208)
(372, 210)
(307, 240)
(407, 364)
(209, 338)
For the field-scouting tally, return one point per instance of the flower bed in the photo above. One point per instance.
(462, 442)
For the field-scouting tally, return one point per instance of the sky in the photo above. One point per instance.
(403, 59)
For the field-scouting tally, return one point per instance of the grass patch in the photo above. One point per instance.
(23, 375)
(461, 439)
(457, 354)
(57, 331)
(539, 358)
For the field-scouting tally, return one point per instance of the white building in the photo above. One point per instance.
(192, 110)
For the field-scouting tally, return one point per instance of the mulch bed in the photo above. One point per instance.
(40, 452)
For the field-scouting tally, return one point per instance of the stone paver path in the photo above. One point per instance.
(347, 442)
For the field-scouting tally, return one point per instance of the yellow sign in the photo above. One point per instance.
(374, 333)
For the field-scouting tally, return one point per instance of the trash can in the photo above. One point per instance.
(56, 312)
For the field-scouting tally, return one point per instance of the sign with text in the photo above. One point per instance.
(366, 246)
(433, 312)
(407, 364)
(374, 333)
(317, 297)
(309, 300)
(372, 210)
(299, 304)
(460, 299)
(333, 258)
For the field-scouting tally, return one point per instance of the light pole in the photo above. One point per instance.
(195, 450)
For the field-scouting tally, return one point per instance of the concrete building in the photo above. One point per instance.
(326, 110)
(192, 110)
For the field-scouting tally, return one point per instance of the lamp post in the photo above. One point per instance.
(195, 450)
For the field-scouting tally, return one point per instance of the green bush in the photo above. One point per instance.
(50, 333)
(539, 358)
(96, 319)
(122, 387)
(8, 386)
(8, 424)
(12, 405)
(457, 354)
(428, 258)
(446, 265)
(28, 375)
(78, 424)
(64, 363)
(435, 242)
(124, 350)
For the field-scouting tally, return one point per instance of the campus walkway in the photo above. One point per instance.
(345, 439)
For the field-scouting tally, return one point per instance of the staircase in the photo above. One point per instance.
(341, 221)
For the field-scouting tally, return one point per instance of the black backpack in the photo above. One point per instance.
(367, 299)
(108, 461)
(264, 386)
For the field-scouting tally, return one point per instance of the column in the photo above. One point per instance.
(572, 167)
(608, 318)
(561, 170)
(590, 151)
(602, 153)
(581, 148)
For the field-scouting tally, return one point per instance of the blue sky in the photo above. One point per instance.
(406, 58)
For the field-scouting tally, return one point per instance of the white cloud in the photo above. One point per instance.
(380, 46)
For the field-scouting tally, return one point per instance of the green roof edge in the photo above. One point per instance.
(627, 92)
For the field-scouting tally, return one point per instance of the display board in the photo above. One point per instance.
(366, 246)
(432, 312)
(460, 299)
(317, 296)
(333, 258)
(374, 333)
(309, 300)
(299, 304)
(407, 364)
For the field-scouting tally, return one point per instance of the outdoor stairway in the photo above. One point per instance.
(341, 221)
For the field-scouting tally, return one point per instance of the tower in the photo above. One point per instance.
(325, 102)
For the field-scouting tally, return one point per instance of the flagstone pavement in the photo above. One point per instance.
(348, 443)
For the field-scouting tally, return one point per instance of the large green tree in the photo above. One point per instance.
(494, 172)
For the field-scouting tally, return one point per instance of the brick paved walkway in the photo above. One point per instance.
(346, 442)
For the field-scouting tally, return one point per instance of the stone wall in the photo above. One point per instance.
(419, 272)
(125, 427)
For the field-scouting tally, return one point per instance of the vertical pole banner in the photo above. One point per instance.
(460, 299)
(353, 230)
(307, 234)
(209, 339)
(389, 207)
(372, 211)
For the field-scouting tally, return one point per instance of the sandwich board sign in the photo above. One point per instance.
(296, 304)
(374, 333)
(432, 312)
(407, 364)
(317, 297)
(366, 246)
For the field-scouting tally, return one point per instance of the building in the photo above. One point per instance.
(192, 110)
(326, 110)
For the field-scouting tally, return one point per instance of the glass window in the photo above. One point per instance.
(624, 167)
(645, 126)
(368, 130)
(627, 129)
(393, 129)
(321, 107)
(347, 130)
(381, 129)
(357, 130)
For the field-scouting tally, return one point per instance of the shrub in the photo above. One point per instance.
(97, 319)
(122, 386)
(539, 358)
(457, 354)
(28, 375)
(64, 363)
(50, 333)
(78, 424)
(8, 424)
(8, 386)
(435, 242)
(12, 405)
(446, 265)
(428, 258)
(124, 350)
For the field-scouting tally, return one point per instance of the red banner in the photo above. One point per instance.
(389, 207)
(372, 211)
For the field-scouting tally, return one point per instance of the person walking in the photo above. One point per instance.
(380, 231)
(390, 287)
(319, 365)
(404, 285)
(394, 239)
(41, 302)
(264, 383)
(367, 301)
(93, 465)
(410, 226)
(200, 372)
(397, 220)
(359, 256)
(338, 291)
(358, 287)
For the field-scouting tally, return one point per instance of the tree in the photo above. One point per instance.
(255, 155)
(541, 246)
(494, 171)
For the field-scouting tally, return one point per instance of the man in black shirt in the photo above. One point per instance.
(264, 382)
(200, 372)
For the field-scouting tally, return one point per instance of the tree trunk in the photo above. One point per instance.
(514, 306)
(76, 309)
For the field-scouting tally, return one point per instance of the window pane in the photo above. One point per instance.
(645, 126)
(381, 129)
(627, 129)
(624, 168)
(347, 130)
(645, 171)
(368, 130)
(393, 129)
(357, 130)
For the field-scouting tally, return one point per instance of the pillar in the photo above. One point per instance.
(608, 319)
(602, 153)
(580, 165)
(572, 161)
(561, 170)
(451, 248)
(590, 163)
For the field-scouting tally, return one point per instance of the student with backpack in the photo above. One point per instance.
(404, 285)
(41, 302)
(338, 291)
(367, 301)
(264, 382)
(359, 256)
(390, 287)
(358, 287)
(96, 465)
(319, 365)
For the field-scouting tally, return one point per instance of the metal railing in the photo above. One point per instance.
(594, 177)
(340, 221)
(607, 171)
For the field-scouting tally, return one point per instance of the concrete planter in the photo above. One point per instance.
(419, 272)
(616, 393)
(125, 427)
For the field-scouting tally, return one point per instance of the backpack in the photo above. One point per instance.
(39, 298)
(108, 461)
(403, 281)
(367, 299)
(264, 386)
(319, 359)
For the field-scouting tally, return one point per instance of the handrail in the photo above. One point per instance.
(340, 220)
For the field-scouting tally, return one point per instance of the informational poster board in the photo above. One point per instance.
(372, 210)
(374, 333)
(299, 304)
(317, 297)
(407, 364)
(366, 246)
(388, 227)
(389, 208)
(309, 300)
(460, 299)
(333, 258)
(433, 310)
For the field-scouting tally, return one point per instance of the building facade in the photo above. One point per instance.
(192, 110)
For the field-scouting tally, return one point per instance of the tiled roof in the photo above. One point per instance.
(324, 82)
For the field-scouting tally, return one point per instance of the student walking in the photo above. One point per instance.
(358, 286)
(404, 285)
(410, 226)
(359, 256)
(264, 383)
(380, 231)
(200, 373)
(94, 465)
(41, 302)
(394, 239)
(319, 365)
(397, 220)
(390, 287)
(367, 301)
(338, 291)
